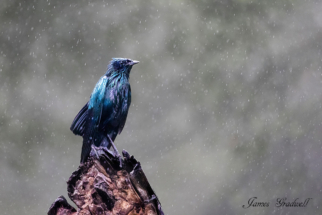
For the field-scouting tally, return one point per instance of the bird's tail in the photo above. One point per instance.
(97, 139)
(86, 149)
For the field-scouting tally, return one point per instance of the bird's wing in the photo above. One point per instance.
(96, 102)
(94, 113)
(90, 114)
(78, 125)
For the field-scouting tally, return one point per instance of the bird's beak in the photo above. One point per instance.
(135, 62)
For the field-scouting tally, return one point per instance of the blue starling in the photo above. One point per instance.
(104, 116)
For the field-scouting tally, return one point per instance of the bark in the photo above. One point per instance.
(103, 186)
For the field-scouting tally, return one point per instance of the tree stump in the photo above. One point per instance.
(102, 185)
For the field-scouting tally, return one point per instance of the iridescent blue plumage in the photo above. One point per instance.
(104, 116)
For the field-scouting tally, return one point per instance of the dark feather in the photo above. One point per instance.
(78, 125)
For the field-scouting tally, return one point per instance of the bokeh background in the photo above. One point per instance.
(226, 100)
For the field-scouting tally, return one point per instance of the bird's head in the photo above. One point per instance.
(120, 65)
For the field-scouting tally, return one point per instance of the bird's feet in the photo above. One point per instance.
(117, 154)
(95, 151)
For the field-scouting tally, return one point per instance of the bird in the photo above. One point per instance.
(103, 117)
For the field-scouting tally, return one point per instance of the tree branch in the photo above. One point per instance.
(101, 186)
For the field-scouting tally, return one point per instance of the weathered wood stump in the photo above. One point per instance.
(103, 186)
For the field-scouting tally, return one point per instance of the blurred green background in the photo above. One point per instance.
(226, 100)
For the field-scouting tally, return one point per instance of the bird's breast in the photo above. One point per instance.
(116, 100)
